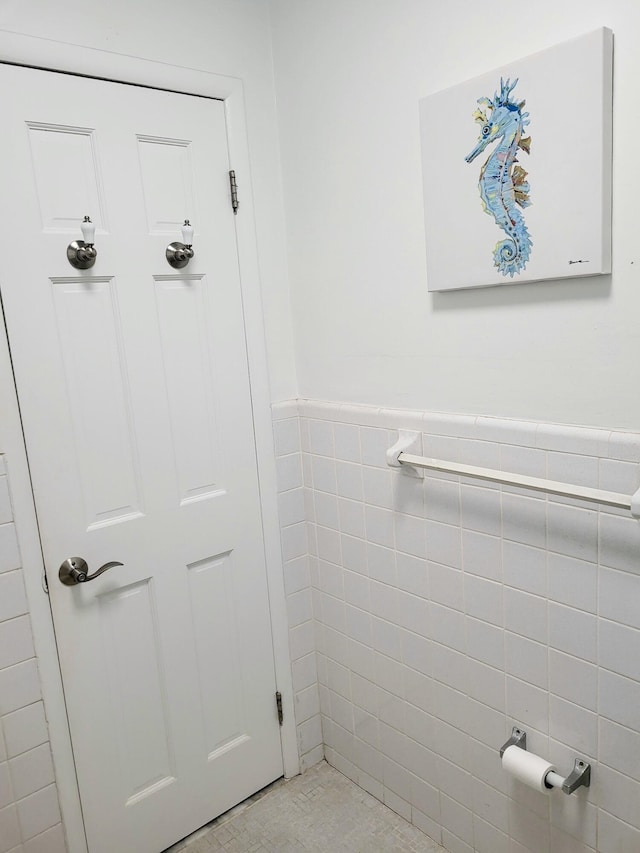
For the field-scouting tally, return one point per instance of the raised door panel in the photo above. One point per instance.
(98, 398)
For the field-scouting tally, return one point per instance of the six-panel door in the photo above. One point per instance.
(133, 385)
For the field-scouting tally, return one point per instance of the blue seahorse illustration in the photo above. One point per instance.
(502, 181)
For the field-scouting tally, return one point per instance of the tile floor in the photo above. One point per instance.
(318, 812)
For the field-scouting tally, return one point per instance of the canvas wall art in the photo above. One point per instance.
(516, 169)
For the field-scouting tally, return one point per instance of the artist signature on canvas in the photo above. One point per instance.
(503, 186)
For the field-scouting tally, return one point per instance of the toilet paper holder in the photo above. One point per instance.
(580, 776)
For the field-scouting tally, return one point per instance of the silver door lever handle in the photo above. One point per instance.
(75, 570)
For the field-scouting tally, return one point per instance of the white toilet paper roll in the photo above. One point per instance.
(527, 767)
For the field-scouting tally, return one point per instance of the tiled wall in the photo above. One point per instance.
(445, 612)
(29, 811)
(297, 581)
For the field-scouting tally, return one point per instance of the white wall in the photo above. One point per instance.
(228, 37)
(349, 75)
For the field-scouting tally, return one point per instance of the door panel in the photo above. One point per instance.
(134, 391)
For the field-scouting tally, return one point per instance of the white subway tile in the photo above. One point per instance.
(624, 446)
(449, 667)
(286, 436)
(25, 729)
(527, 705)
(485, 642)
(326, 510)
(568, 844)
(483, 599)
(506, 431)
(328, 541)
(379, 525)
(285, 409)
(302, 640)
(619, 748)
(349, 480)
(374, 444)
(412, 574)
(351, 517)
(489, 839)
(359, 625)
(289, 472)
(354, 554)
(619, 699)
(6, 791)
(296, 575)
(9, 551)
(617, 794)
(321, 438)
(567, 439)
(410, 535)
(381, 564)
(490, 805)
(573, 532)
(525, 614)
(455, 782)
(457, 818)
(615, 836)
(310, 734)
(484, 454)
(573, 582)
(31, 771)
(524, 567)
(13, 599)
(384, 601)
(407, 493)
(527, 660)
(482, 555)
(376, 484)
(9, 829)
(347, 442)
(454, 844)
(6, 512)
(458, 426)
(16, 641)
(486, 684)
(573, 632)
(38, 812)
(442, 500)
(572, 468)
(481, 509)
(573, 725)
(447, 627)
(446, 586)
(324, 474)
(294, 541)
(413, 613)
(619, 649)
(616, 476)
(444, 544)
(573, 679)
(524, 520)
(619, 543)
(291, 507)
(19, 686)
(387, 639)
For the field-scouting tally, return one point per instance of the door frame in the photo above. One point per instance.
(60, 56)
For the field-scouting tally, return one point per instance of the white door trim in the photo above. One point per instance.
(59, 56)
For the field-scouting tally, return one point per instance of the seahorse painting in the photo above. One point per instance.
(503, 187)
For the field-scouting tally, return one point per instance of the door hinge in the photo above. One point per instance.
(279, 707)
(235, 204)
(45, 583)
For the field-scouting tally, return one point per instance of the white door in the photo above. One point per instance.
(133, 386)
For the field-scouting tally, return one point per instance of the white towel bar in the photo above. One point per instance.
(398, 457)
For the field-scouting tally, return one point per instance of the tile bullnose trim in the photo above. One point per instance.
(567, 438)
